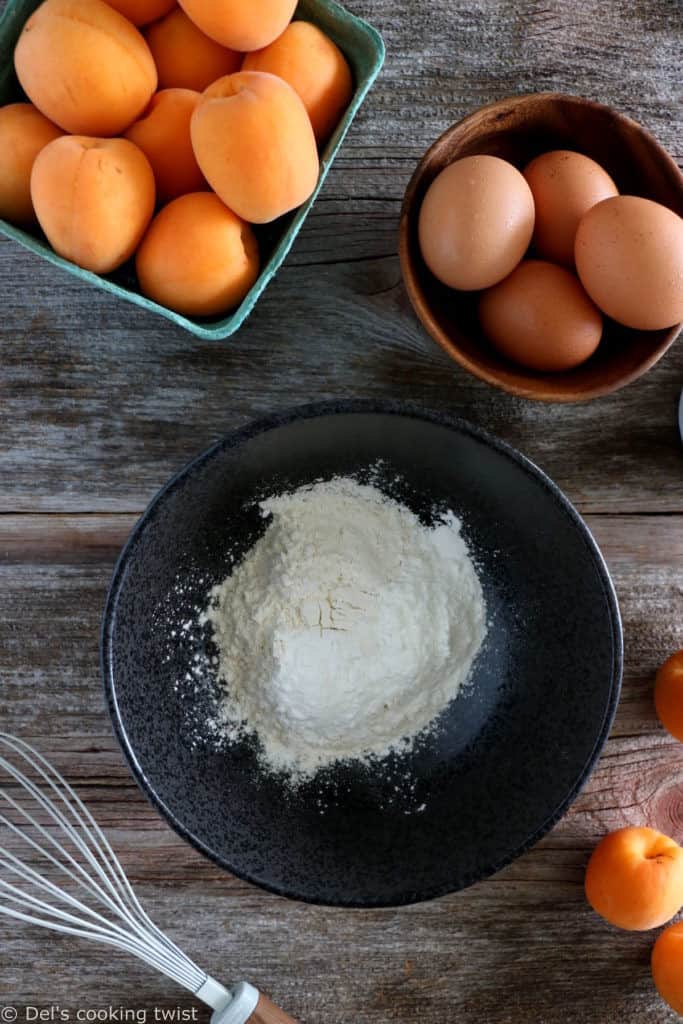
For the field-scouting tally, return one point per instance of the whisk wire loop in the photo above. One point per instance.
(85, 881)
(186, 979)
(73, 846)
(86, 929)
(72, 803)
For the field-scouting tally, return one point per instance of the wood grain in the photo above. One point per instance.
(101, 402)
(528, 928)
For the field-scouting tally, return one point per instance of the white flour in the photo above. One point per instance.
(347, 628)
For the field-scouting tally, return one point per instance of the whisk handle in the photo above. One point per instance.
(267, 1013)
(248, 1006)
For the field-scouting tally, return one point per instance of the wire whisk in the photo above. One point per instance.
(80, 888)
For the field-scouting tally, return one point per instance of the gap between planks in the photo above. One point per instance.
(76, 529)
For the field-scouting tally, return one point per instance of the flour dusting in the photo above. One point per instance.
(346, 629)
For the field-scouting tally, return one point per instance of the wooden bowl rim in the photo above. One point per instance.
(421, 306)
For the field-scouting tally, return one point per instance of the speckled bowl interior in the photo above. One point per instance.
(511, 751)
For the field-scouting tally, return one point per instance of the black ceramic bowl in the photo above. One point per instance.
(512, 750)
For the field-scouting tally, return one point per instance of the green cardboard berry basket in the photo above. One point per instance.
(363, 48)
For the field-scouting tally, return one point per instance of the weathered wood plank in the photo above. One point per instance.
(55, 570)
(528, 928)
(96, 419)
(100, 402)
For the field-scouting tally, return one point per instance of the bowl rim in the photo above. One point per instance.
(362, 406)
(423, 310)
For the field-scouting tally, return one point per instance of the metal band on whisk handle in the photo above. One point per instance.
(89, 894)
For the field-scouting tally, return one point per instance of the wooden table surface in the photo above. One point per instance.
(100, 403)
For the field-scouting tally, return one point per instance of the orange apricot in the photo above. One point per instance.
(197, 257)
(314, 67)
(23, 133)
(669, 695)
(634, 879)
(667, 966)
(141, 12)
(163, 135)
(93, 198)
(255, 145)
(85, 66)
(185, 57)
(241, 24)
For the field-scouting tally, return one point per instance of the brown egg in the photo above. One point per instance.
(541, 317)
(476, 222)
(629, 256)
(565, 185)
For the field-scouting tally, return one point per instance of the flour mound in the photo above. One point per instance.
(347, 628)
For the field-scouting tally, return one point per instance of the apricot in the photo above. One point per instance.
(314, 67)
(185, 57)
(85, 66)
(669, 695)
(241, 24)
(93, 198)
(198, 257)
(23, 133)
(163, 135)
(634, 879)
(667, 966)
(255, 145)
(141, 12)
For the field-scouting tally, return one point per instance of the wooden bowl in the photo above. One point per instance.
(518, 129)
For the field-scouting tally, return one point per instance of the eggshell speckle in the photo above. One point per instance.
(476, 222)
(565, 185)
(541, 317)
(629, 256)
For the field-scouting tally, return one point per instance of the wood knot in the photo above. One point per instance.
(666, 810)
